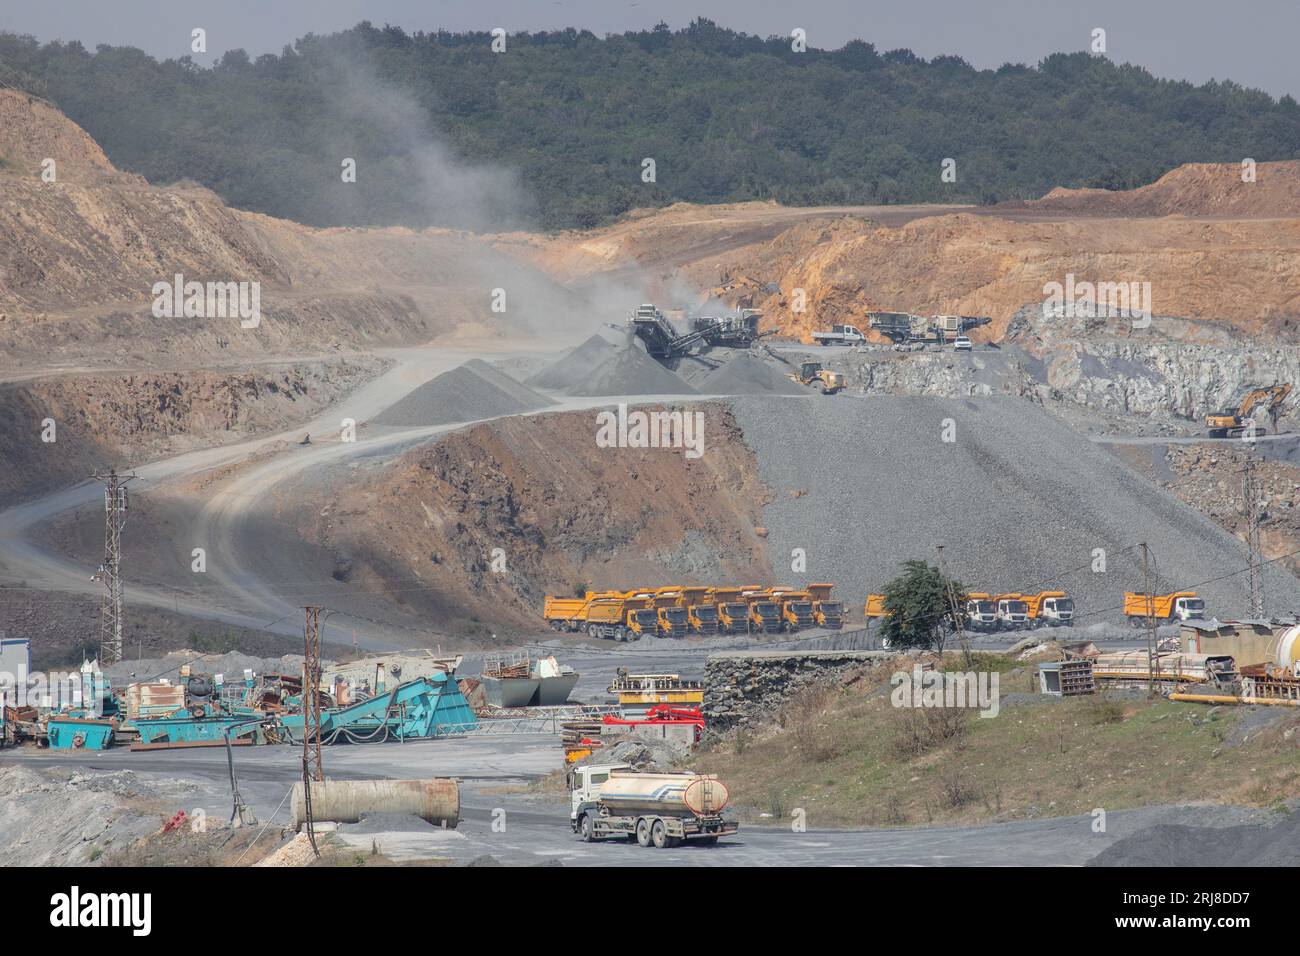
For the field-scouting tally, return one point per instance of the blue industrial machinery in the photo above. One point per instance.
(71, 731)
(418, 708)
(182, 727)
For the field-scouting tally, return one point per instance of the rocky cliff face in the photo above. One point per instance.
(1121, 374)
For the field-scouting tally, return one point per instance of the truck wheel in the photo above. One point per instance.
(584, 826)
(620, 634)
(643, 832)
(659, 834)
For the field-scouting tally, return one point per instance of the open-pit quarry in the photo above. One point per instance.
(427, 470)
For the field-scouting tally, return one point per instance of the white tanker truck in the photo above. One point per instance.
(655, 809)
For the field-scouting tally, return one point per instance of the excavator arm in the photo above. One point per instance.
(1270, 398)
(1228, 421)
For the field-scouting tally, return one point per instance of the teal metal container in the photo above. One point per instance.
(70, 732)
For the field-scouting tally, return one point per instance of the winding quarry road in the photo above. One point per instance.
(227, 524)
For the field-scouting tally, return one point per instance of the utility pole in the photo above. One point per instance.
(1151, 620)
(312, 769)
(1250, 494)
(110, 572)
(957, 623)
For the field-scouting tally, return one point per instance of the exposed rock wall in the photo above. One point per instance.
(743, 687)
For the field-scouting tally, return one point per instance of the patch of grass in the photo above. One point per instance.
(892, 766)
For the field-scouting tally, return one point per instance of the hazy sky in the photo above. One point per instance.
(1249, 41)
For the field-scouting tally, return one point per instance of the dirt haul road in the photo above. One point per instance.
(243, 585)
(494, 771)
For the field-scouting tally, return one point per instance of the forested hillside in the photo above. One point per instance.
(553, 131)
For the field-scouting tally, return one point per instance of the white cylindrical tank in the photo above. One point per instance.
(668, 794)
(1286, 649)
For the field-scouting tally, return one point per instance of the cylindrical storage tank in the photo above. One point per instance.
(346, 801)
(668, 794)
(1286, 649)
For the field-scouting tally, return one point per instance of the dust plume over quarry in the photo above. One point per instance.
(848, 441)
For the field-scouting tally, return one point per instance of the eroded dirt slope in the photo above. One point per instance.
(1196, 189)
(565, 515)
(81, 256)
(125, 420)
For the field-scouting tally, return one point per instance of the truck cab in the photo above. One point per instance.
(1013, 612)
(643, 622)
(585, 783)
(672, 622)
(1057, 611)
(796, 611)
(733, 617)
(764, 613)
(826, 613)
(1189, 608)
(701, 612)
(981, 612)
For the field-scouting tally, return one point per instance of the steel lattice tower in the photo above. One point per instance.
(110, 572)
(1250, 493)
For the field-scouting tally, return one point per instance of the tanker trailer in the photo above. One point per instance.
(655, 809)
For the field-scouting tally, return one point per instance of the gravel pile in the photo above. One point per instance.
(746, 373)
(574, 367)
(629, 371)
(467, 393)
(1178, 845)
(864, 482)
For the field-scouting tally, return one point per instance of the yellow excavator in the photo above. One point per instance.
(812, 373)
(1234, 421)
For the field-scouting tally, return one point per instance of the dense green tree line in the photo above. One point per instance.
(563, 120)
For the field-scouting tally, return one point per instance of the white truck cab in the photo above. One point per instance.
(981, 614)
(1189, 608)
(1056, 610)
(1013, 613)
(585, 784)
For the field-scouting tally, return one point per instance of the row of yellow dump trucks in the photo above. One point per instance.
(680, 610)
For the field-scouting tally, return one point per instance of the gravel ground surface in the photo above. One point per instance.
(1020, 501)
(1172, 844)
(467, 393)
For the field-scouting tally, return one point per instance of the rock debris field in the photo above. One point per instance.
(1019, 500)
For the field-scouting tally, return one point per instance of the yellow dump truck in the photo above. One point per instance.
(1163, 608)
(1049, 609)
(670, 615)
(566, 614)
(764, 615)
(875, 607)
(733, 610)
(796, 609)
(701, 611)
(622, 618)
(826, 613)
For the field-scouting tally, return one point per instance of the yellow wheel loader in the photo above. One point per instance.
(812, 373)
